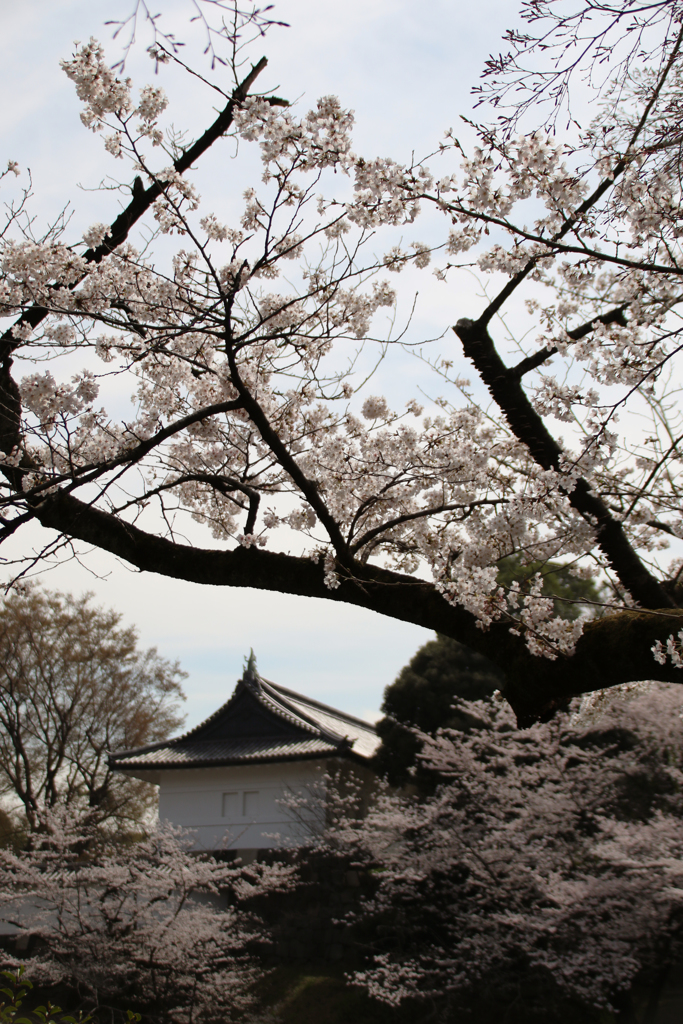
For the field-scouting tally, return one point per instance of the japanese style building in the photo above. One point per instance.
(253, 775)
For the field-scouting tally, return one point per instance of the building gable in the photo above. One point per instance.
(246, 717)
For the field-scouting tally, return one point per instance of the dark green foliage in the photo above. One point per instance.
(423, 695)
(397, 756)
(15, 989)
(423, 692)
(571, 596)
(426, 690)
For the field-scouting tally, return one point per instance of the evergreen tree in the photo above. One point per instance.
(425, 695)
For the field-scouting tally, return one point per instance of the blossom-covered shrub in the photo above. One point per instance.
(141, 925)
(548, 865)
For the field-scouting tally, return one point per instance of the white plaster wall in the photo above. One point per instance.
(240, 807)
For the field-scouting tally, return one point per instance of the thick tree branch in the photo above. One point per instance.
(10, 409)
(613, 650)
(664, 527)
(528, 427)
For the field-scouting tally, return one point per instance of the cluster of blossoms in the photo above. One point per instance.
(42, 395)
(559, 401)
(241, 390)
(387, 192)
(320, 139)
(29, 270)
(672, 650)
(105, 96)
(97, 85)
(331, 577)
(179, 194)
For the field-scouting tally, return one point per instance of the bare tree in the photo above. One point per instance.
(73, 686)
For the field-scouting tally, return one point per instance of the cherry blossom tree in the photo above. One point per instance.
(145, 926)
(548, 864)
(239, 342)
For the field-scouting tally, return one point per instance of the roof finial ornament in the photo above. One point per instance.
(250, 666)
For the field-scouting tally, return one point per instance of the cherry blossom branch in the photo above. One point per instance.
(528, 427)
(223, 484)
(554, 246)
(410, 517)
(81, 475)
(651, 476)
(614, 316)
(143, 199)
(309, 488)
(554, 243)
(448, 494)
(595, 49)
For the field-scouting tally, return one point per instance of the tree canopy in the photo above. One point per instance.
(239, 342)
(545, 871)
(73, 687)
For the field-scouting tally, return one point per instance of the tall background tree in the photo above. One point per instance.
(427, 695)
(247, 418)
(74, 686)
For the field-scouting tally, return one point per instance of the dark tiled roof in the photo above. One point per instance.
(260, 722)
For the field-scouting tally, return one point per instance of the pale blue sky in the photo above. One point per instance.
(407, 70)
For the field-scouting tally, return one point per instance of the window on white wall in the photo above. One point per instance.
(250, 803)
(241, 804)
(231, 804)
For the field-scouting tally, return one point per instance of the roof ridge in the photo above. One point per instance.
(311, 723)
(324, 707)
(265, 699)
